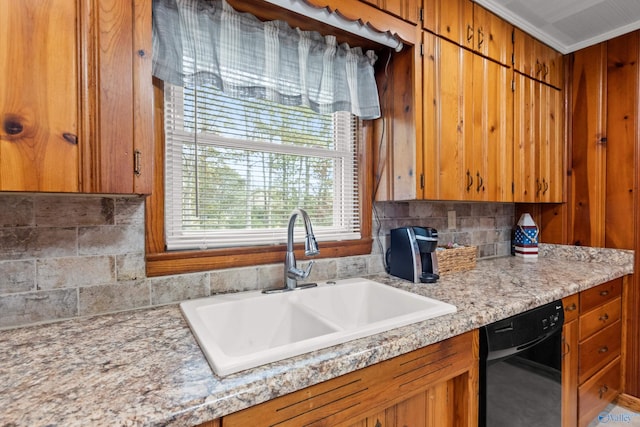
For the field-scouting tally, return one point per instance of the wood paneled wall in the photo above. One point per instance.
(603, 176)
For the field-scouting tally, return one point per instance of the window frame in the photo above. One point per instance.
(161, 262)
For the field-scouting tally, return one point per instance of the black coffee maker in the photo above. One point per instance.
(412, 254)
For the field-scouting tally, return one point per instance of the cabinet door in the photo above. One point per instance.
(550, 145)
(525, 168)
(38, 96)
(492, 142)
(538, 142)
(537, 60)
(524, 53)
(550, 63)
(451, 19)
(118, 153)
(429, 408)
(492, 35)
(570, 374)
(448, 121)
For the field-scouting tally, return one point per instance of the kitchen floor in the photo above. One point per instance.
(616, 416)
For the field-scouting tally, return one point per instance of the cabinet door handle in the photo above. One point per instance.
(378, 423)
(545, 184)
(603, 349)
(480, 182)
(571, 307)
(469, 33)
(546, 71)
(603, 390)
(538, 187)
(566, 346)
(604, 317)
(469, 180)
(137, 165)
(604, 293)
(538, 68)
(480, 38)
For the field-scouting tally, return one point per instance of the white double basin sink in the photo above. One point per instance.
(248, 329)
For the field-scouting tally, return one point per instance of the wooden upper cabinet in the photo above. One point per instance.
(537, 60)
(75, 96)
(38, 96)
(404, 9)
(492, 131)
(448, 119)
(492, 35)
(467, 124)
(118, 152)
(470, 25)
(539, 164)
(451, 19)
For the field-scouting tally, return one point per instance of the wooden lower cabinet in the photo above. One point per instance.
(591, 357)
(430, 407)
(569, 370)
(599, 349)
(433, 386)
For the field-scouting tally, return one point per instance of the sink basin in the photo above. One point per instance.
(244, 330)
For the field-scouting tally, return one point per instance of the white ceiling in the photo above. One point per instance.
(569, 25)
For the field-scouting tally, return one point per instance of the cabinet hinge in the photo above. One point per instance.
(513, 36)
(137, 162)
(421, 14)
(513, 59)
(422, 181)
(513, 187)
(513, 85)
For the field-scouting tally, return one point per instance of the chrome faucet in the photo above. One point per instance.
(291, 271)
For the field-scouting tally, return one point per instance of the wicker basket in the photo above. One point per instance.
(455, 260)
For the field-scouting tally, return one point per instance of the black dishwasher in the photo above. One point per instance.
(521, 369)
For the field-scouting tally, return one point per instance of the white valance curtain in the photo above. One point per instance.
(207, 42)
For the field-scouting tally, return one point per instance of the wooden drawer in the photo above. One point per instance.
(570, 304)
(599, 318)
(598, 392)
(599, 295)
(597, 351)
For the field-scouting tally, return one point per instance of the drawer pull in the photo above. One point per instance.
(572, 307)
(603, 390)
(603, 349)
(604, 293)
(604, 317)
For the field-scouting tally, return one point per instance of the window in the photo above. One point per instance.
(231, 172)
(235, 169)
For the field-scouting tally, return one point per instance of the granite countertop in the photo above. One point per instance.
(144, 368)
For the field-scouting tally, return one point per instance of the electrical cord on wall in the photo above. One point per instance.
(380, 167)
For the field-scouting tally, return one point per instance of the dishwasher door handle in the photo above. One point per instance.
(506, 352)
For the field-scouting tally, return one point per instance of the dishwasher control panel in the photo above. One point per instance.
(524, 329)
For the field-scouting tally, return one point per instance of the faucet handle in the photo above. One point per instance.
(296, 273)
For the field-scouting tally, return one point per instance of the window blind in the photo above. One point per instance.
(236, 169)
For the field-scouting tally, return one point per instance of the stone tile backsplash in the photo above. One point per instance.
(68, 256)
(485, 225)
